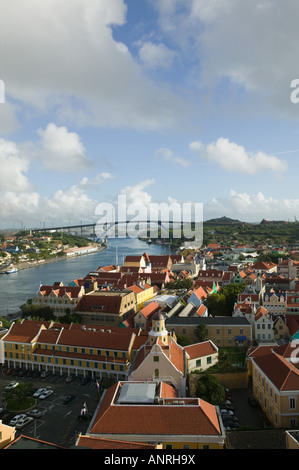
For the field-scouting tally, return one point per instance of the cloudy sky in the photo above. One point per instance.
(158, 100)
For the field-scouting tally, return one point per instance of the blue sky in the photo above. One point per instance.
(158, 100)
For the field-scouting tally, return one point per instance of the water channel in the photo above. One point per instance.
(17, 288)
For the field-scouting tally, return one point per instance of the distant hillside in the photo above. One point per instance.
(223, 221)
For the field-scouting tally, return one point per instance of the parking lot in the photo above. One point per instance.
(58, 422)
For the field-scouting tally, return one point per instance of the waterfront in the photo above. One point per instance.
(17, 288)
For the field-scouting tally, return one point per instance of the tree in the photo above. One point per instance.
(210, 389)
(201, 332)
(183, 340)
(37, 311)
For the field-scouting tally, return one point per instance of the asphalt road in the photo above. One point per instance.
(59, 423)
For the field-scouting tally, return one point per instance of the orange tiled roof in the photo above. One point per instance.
(282, 373)
(196, 418)
(101, 443)
(200, 349)
(24, 332)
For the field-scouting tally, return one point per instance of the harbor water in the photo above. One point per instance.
(17, 288)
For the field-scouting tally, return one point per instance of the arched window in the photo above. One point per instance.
(156, 373)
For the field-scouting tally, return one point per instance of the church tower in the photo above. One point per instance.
(158, 330)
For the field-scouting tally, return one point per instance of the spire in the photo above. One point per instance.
(158, 330)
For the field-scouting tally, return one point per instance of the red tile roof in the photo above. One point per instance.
(205, 348)
(195, 417)
(101, 443)
(282, 373)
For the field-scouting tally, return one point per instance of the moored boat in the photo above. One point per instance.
(11, 271)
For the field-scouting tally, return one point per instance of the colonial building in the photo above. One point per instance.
(151, 412)
(275, 384)
(106, 307)
(70, 349)
(201, 356)
(61, 299)
(222, 331)
(275, 302)
(161, 358)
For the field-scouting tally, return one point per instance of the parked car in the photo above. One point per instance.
(17, 418)
(68, 399)
(23, 422)
(38, 392)
(45, 373)
(35, 413)
(45, 394)
(69, 379)
(11, 385)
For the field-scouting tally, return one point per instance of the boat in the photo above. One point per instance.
(11, 271)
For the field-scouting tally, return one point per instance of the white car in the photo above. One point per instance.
(45, 394)
(16, 418)
(11, 385)
(35, 413)
(39, 392)
(23, 422)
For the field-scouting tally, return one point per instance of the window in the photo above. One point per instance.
(292, 403)
(156, 358)
(198, 362)
(209, 360)
(156, 373)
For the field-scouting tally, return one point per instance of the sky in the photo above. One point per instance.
(160, 101)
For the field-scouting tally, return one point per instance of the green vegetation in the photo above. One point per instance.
(201, 332)
(229, 360)
(222, 303)
(41, 313)
(18, 398)
(42, 245)
(210, 389)
(180, 284)
(271, 233)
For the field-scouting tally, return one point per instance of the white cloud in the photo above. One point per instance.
(168, 155)
(234, 157)
(76, 69)
(253, 44)
(31, 208)
(14, 166)
(61, 150)
(252, 207)
(136, 194)
(156, 55)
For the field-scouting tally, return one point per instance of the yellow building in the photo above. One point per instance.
(142, 292)
(7, 434)
(106, 307)
(135, 262)
(70, 349)
(61, 299)
(275, 384)
(222, 331)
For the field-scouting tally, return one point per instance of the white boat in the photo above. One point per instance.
(11, 271)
